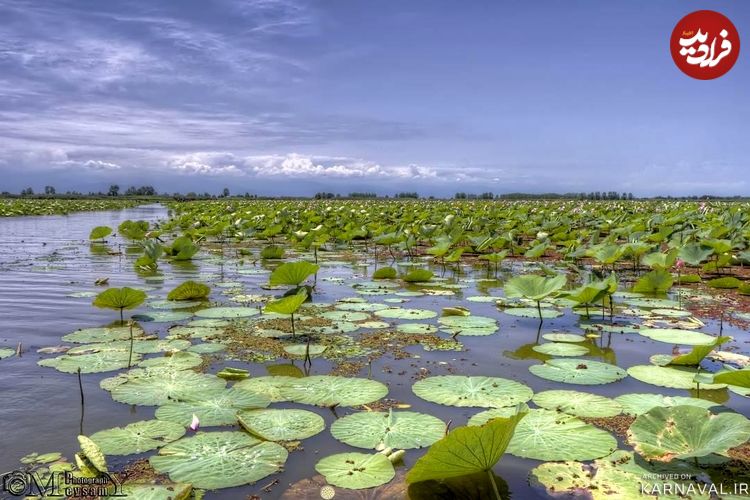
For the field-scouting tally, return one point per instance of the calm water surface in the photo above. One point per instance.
(45, 259)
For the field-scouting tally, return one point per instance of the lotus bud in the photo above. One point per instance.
(195, 423)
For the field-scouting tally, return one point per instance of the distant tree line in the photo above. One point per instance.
(593, 195)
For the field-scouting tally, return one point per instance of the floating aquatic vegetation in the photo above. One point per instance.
(459, 390)
(391, 429)
(637, 404)
(102, 361)
(356, 471)
(468, 325)
(676, 336)
(158, 387)
(213, 408)
(137, 437)
(281, 424)
(579, 404)
(578, 371)
(562, 349)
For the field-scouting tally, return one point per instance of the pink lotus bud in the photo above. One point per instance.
(679, 264)
(195, 423)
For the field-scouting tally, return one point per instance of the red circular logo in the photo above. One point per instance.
(705, 44)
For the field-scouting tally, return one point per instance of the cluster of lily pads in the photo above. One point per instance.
(19, 206)
(612, 266)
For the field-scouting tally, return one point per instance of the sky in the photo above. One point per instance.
(287, 97)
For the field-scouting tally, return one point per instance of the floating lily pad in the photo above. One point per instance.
(103, 361)
(360, 306)
(563, 337)
(345, 316)
(177, 361)
(227, 312)
(137, 437)
(148, 491)
(561, 349)
(281, 425)
(578, 371)
(637, 404)
(579, 404)
(459, 390)
(402, 313)
(416, 328)
(212, 460)
(271, 386)
(163, 316)
(328, 390)
(91, 335)
(6, 352)
(532, 312)
(356, 471)
(664, 434)
(171, 304)
(375, 325)
(303, 349)
(219, 408)
(391, 429)
(209, 322)
(485, 416)
(675, 336)
(553, 436)
(469, 325)
(668, 376)
(153, 388)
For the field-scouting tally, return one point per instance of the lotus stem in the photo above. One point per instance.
(80, 388)
(539, 309)
(494, 485)
(294, 335)
(130, 356)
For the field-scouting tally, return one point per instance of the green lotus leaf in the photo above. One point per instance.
(133, 230)
(466, 450)
(402, 313)
(468, 325)
(668, 376)
(360, 306)
(212, 460)
(93, 453)
(637, 404)
(303, 349)
(271, 387)
(189, 290)
(285, 370)
(154, 346)
(392, 429)
(216, 408)
(148, 491)
(726, 282)
(287, 305)
(485, 416)
(345, 316)
(384, 273)
(658, 281)
(456, 311)
(7, 352)
(103, 361)
(163, 316)
(553, 436)
(561, 349)
(532, 312)
(694, 253)
(272, 252)
(578, 404)
(100, 232)
(676, 336)
(356, 471)
(416, 328)
(137, 437)
(180, 360)
(328, 390)
(418, 276)
(737, 378)
(578, 371)
(119, 298)
(664, 434)
(533, 287)
(564, 337)
(459, 390)
(292, 273)
(281, 424)
(168, 304)
(227, 312)
(158, 387)
(694, 357)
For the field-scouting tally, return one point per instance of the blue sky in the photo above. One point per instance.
(292, 97)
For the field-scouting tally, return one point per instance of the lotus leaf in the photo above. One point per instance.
(227, 312)
(675, 336)
(292, 273)
(384, 273)
(459, 390)
(468, 325)
(91, 335)
(667, 376)
(189, 290)
(92, 453)
(212, 460)
(158, 387)
(356, 471)
(281, 424)
(658, 281)
(418, 276)
(561, 349)
(579, 404)
(327, 390)
(103, 361)
(578, 371)
(137, 437)
(637, 404)
(177, 361)
(401, 313)
(391, 429)
(216, 408)
(100, 232)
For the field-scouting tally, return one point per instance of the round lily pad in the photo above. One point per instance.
(173, 304)
(271, 386)
(103, 361)
(212, 409)
(563, 337)
(227, 312)
(281, 424)
(553, 436)
(90, 335)
(163, 316)
(416, 328)
(137, 437)
(532, 312)
(579, 404)
(391, 429)
(153, 388)
(561, 349)
(345, 316)
(328, 390)
(209, 322)
(676, 336)
(460, 390)
(360, 306)
(178, 361)
(302, 349)
(578, 371)
(485, 416)
(6, 352)
(669, 376)
(376, 325)
(403, 313)
(637, 404)
(154, 346)
(356, 471)
(469, 325)
(212, 460)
